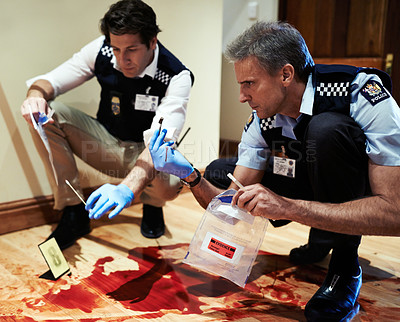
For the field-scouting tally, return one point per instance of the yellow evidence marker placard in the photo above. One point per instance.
(54, 258)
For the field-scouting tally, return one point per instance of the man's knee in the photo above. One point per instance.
(216, 172)
(336, 158)
(62, 112)
(215, 169)
(167, 186)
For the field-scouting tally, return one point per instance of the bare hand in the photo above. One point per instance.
(37, 105)
(260, 201)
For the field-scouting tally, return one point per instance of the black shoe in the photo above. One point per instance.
(309, 253)
(74, 224)
(153, 225)
(279, 223)
(336, 298)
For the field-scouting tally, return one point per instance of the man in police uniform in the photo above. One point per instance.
(323, 141)
(141, 82)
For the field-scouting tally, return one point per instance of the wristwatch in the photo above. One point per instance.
(194, 182)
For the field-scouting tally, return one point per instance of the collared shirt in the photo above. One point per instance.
(380, 123)
(80, 68)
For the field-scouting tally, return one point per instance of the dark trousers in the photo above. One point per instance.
(332, 167)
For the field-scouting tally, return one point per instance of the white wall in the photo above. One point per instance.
(234, 114)
(38, 35)
(197, 40)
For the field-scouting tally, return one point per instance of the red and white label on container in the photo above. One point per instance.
(222, 248)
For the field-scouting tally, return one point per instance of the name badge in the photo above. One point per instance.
(284, 167)
(146, 102)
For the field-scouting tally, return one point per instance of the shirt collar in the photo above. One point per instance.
(149, 70)
(287, 123)
(306, 107)
(152, 68)
(307, 102)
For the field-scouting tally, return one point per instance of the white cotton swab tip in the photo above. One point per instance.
(230, 176)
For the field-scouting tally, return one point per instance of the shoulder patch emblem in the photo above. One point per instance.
(374, 92)
(249, 121)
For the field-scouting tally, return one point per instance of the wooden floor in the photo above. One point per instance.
(118, 275)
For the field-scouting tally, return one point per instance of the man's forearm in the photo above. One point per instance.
(142, 174)
(41, 88)
(204, 191)
(378, 214)
(368, 216)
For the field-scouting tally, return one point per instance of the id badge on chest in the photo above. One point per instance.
(284, 167)
(146, 102)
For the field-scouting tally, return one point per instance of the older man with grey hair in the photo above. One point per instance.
(321, 147)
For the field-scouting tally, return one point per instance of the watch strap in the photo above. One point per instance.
(195, 181)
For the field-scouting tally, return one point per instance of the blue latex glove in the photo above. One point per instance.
(166, 159)
(107, 197)
(43, 118)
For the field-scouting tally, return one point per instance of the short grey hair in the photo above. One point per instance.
(274, 44)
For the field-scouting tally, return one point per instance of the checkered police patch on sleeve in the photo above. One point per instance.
(374, 92)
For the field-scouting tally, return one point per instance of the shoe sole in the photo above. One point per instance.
(349, 316)
(147, 235)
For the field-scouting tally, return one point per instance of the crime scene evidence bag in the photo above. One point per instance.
(227, 240)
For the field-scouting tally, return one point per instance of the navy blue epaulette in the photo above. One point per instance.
(332, 86)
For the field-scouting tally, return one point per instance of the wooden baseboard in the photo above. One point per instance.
(27, 213)
(31, 212)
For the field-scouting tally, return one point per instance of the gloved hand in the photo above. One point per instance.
(166, 159)
(109, 196)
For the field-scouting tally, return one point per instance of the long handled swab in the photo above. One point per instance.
(230, 176)
(76, 192)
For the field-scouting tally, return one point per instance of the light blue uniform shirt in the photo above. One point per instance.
(380, 123)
